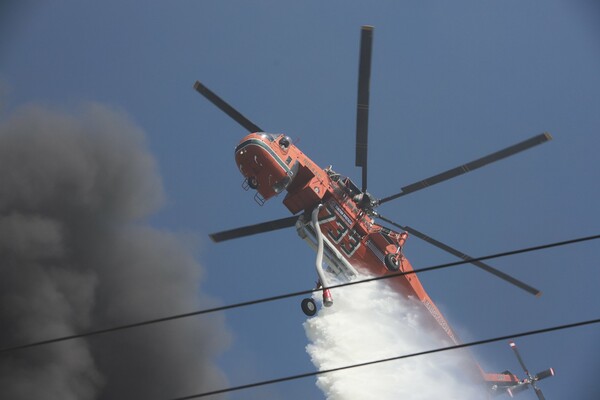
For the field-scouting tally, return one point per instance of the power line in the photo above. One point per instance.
(383, 360)
(292, 294)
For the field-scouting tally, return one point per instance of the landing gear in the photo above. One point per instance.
(308, 307)
(392, 262)
(253, 183)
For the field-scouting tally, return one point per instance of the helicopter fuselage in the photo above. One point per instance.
(354, 243)
(271, 163)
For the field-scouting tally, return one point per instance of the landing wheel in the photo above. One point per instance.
(309, 307)
(253, 183)
(392, 262)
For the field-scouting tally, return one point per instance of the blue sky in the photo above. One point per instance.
(451, 81)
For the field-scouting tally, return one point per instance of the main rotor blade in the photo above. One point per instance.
(254, 229)
(463, 169)
(226, 108)
(465, 257)
(362, 106)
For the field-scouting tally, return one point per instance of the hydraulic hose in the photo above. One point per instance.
(320, 245)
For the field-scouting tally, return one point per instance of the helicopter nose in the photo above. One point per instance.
(259, 162)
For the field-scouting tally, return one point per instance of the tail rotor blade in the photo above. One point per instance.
(539, 393)
(512, 391)
(254, 229)
(362, 107)
(544, 374)
(513, 346)
(226, 108)
(465, 257)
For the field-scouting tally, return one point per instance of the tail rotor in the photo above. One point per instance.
(529, 380)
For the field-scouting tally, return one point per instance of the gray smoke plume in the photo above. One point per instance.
(76, 255)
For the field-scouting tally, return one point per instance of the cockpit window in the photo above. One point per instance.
(278, 187)
(284, 142)
(282, 184)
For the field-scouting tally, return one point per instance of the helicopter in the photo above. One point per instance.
(338, 219)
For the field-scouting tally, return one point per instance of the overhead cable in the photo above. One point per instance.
(383, 360)
(289, 295)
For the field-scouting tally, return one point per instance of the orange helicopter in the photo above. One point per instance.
(338, 219)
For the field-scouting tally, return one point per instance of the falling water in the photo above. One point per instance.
(370, 322)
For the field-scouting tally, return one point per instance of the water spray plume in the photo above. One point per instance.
(369, 322)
